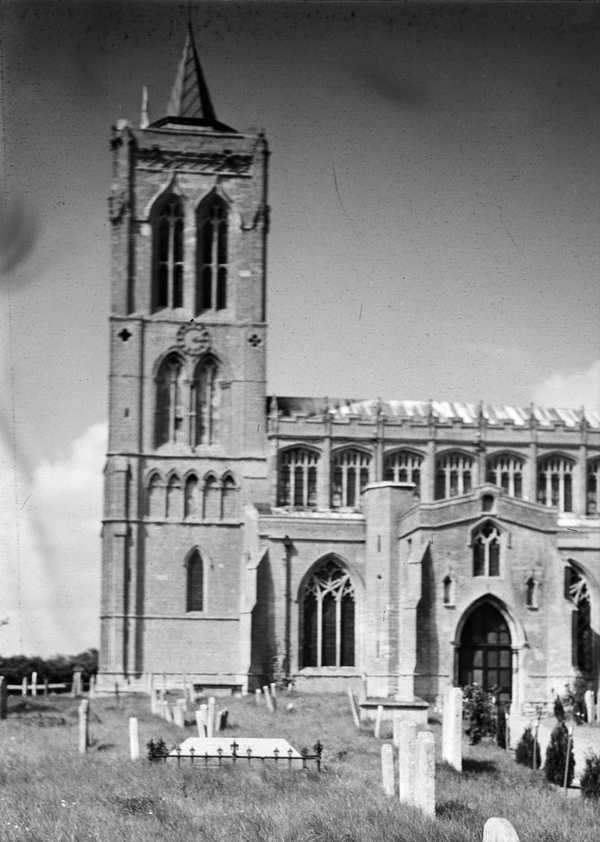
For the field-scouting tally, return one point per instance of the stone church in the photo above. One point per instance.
(250, 538)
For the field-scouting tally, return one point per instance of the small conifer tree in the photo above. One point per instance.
(556, 756)
(524, 753)
(590, 780)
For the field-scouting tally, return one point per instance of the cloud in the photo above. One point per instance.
(573, 390)
(51, 572)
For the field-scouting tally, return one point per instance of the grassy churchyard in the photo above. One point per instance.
(52, 793)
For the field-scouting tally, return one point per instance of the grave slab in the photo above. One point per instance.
(260, 747)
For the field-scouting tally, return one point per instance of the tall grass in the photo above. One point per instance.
(50, 792)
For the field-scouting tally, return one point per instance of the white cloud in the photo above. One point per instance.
(572, 390)
(51, 571)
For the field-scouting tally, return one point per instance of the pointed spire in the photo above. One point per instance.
(190, 98)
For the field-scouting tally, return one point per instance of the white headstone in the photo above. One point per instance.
(588, 698)
(273, 688)
(178, 717)
(257, 695)
(201, 719)
(84, 712)
(396, 729)
(387, 768)
(425, 773)
(24, 686)
(134, 738)
(499, 830)
(407, 740)
(210, 719)
(353, 708)
(268, 699)
(378, 718)
(452, 729)
(34, 683)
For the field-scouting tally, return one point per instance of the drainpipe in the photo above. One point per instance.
(288, 546)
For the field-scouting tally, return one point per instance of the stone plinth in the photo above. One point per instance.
(414, 710)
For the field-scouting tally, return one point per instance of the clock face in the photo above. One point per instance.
(195, 340)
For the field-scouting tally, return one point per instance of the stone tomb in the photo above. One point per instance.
(258, 747)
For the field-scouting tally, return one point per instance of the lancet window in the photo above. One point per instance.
(211, 230)
(174, 497)
(298, 477)
(167, 257)
(228, 498)
(195, 583)
(349, 475)
(593, 488)
(327, 617)
(169, 419)
(211, 498)
(192, 502)
(403, 466)
(486, 550)
(155, 501)
(205, 400)
(453, 475)
(506, 471)
(555, 483)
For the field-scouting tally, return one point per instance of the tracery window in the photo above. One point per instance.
(593, 488)
(486, 550)
(205, 403)
(298, 477)
(555, 483)
(453, 475)
(211, 238)
(193, 508)
(167, 252)
(170, 396)
(174, 497)
(577, 592)
(228, 497)
(195, 583)
(403, 466)
(506, 471)
(155, 502)
(327, 616)
(350, 474)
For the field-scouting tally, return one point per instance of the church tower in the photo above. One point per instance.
(187, 440)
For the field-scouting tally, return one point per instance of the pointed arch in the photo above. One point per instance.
(228, 497)
(505, 470)
(174, 497)
(194, 565)
(403, 465)
(485, 544)
(169, 412)
(212, 498)
(577, 592)
(453, 474)
(327, 615)
(155, 502)
(555, 481)
(485, 648)
(167, 222)
(206, 400)
(350, 470)
(192, 500)
(212, 229)
(297, 477)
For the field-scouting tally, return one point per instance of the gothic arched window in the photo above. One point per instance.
(403, 466)
(350, 474)
(486, 550)
(506, 471)
(205, 402)
(554, 483)
(228, 501)
(155, 502)
(212, 501)
(298, 477)
(195, 583)
(167, 252)
(193, 509)
(327, 617)
(211, 239)
(453, 475)
(593, 488)
(174, 497)
(170, 398)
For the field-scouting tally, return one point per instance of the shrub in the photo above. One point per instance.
(157, 749)
(556, 756)
(480, 711)
(524, 753)
(559, 709)
(590, 780)
(501, 727)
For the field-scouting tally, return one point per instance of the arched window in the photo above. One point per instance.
(506, 471)
(174, 497)
(486, 550)
(195, 583)
(298, 477)
(403, 466)
(453, 475)
(554, 482)
(448, 590)
(593, 488)
(327, 617)
(193, 509)
(582, 642)
(350, 474)
(205, 402)
(211, 238)
(228, 499)
(167, 252)
(155, 501)
(212, 501)
(170, 396)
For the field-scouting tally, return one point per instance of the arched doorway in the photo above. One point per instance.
(485, 652)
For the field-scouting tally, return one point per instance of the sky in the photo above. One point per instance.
(434, 186)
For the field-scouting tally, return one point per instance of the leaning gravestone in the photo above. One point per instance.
(353, 708)
(387, 768)
(201, 719)
(499, 830)
(407, 739)
(425, 773)
(268, 698)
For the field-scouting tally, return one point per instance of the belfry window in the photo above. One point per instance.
(298, 477)
(169, 412)
(554, 483)
(327, 617)
(593, 488)
(205, 403)
(486, 550)
(211, 238)
(350, 474)
(195, 583)
(506, 471)
(403, 466)
(167, 253)
(453, 475)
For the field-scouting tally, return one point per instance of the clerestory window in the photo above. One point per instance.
(403, 466)
(555, 483)
(453, 475)
(297, 477)
(350, 474)
(506, 471)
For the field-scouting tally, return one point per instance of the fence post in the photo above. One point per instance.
(134, 738)
(24, 686)
(46, 687)
(84, 713)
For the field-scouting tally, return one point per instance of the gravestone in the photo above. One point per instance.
(257, 695)
(387, 768)
(452, 729)
(425, 773)
(76, 684)
(407, 740)
(24, 686)
(178, 716)
(588, 698)
(222, 717)
(268, 699)
(273, 687)
(153, 702)
(84, 715)
(499, 830)
(353, 708)
(210, 719)
(34, 683)
(134, 738)
(92, 690)
(378, 718)
(3, 697)
(201, 720)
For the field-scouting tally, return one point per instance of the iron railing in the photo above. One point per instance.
(288, 759)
